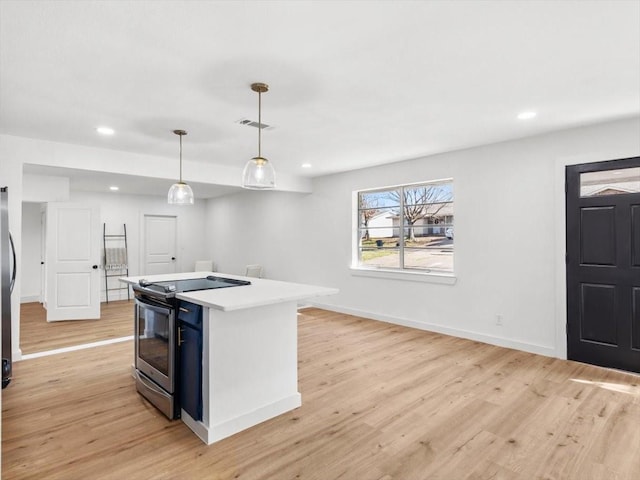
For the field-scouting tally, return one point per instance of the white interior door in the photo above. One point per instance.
(72, 259)
(159, 244)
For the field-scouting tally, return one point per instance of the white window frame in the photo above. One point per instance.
(409, 274)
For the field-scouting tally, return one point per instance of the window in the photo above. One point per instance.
(610, 182)
(408, 228)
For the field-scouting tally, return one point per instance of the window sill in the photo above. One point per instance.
(427, 277)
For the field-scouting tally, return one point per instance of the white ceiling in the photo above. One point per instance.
(353, 83)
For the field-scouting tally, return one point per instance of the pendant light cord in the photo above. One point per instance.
(259, 124)
(180, 158)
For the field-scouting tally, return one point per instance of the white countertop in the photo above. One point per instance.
(260, 292)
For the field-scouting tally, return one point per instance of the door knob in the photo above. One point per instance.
(173, 258)
(95, 267)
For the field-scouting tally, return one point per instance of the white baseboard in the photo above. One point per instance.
(455, 332)
(30, 299)
(73, 348)
(16, 355)
(229, 427)
(196, 427)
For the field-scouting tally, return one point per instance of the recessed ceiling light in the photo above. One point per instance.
(105, 130)
(527, 115)
(306, 165)
(114, 188)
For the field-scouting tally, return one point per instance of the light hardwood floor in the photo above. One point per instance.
(380, 402)
(38, 335)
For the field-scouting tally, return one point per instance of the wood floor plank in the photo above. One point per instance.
(380, 402)
(38, 335)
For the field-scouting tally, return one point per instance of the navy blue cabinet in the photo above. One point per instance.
(190, 339)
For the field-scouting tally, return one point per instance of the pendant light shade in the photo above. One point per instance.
(258, 173)
(180, 193)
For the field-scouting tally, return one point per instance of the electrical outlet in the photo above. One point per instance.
(499, 320)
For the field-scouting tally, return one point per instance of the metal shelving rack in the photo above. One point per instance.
(119, 251)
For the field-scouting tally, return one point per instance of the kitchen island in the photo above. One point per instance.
(249, 351)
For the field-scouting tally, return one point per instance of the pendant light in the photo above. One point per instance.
(259, 173)
(180, 193)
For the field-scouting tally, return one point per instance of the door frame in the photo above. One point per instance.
(561, 235)
(143, 240)
(43, 254)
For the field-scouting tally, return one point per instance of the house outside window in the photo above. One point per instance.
(406, 228)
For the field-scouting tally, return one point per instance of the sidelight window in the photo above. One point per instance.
(406, 228)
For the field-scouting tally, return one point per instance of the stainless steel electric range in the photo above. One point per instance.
(156, 337)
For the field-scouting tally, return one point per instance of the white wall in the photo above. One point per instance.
(256, 227)
(118, 209)
(32, 250)
(515, 271)
(506, 247)
(41, 188)
(17, 151)
(115, 210)
(36, 190)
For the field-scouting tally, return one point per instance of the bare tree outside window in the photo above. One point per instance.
(408, 227)
(421, 202)
(368, 207)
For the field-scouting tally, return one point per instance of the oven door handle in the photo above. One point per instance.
(149, 384)
(155, 308)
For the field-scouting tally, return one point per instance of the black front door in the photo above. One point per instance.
(603, 263)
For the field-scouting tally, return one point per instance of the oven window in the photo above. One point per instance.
(153, 338)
